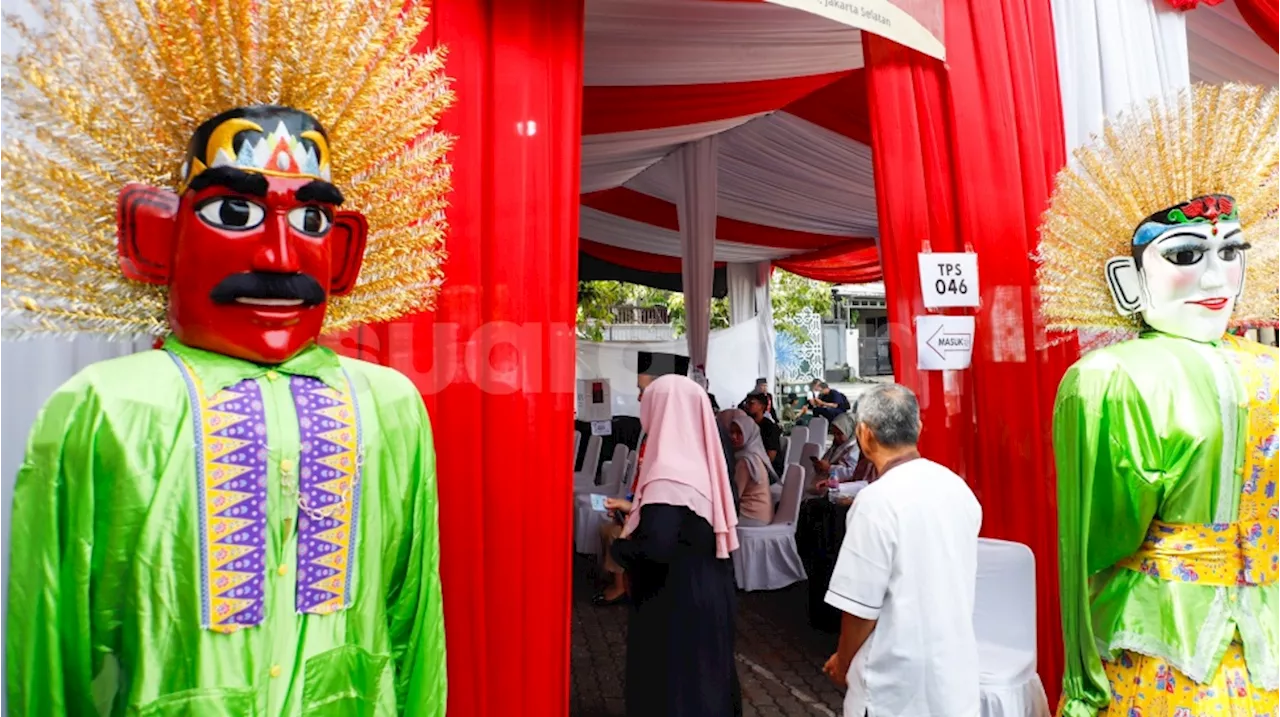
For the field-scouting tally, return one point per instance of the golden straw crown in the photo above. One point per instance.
(107, 92)
(1209, 139)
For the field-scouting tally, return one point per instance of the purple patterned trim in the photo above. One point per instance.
(231, 472)
(328, 492)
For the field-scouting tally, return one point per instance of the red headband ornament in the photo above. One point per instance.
(1185, 5)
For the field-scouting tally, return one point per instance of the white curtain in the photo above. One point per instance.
(741, 279)
(696, 207)
(764, 311)
(1113, 53)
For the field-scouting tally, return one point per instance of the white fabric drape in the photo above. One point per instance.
(764, 310)
(741, 279)
(696, 207)
(679, 42)
(1223, 48)
(1113, 53)
(783, 171)
(610, 160)
(614, 230)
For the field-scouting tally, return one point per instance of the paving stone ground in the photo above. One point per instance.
(780, 657)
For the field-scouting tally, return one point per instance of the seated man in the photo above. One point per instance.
(827, 402)
(762, 387)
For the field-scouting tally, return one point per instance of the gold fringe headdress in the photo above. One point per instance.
(1210, 139)
(108, 92)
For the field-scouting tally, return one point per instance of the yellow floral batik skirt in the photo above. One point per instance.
(1144, 686)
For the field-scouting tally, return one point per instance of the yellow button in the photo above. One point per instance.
(283, 570)
(1232, 596)
(275, 670)
(272, 375)
(286, 465)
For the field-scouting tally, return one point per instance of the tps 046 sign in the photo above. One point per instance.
(949, 279)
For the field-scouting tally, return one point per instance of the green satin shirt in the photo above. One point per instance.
(105, 595)
(1150, 429)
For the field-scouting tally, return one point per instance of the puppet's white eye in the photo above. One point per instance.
(309, 220)
(233, 213)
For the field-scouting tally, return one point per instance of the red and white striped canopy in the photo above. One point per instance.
(785, 91)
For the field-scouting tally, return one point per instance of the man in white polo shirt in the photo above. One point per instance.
(905, 576)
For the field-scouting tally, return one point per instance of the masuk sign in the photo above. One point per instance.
(944, 343)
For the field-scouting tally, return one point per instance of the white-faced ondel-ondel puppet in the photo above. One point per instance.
(1166, 443)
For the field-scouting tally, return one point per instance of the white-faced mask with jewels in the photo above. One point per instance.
(1186, 271)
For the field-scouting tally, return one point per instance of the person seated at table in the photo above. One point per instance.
(843, 461)
(751, 472)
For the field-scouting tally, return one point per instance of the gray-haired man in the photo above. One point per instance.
(905, 576)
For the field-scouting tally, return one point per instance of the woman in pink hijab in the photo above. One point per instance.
(675, 548)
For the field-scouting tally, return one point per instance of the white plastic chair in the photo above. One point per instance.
(586, 522)
(611, 477)
(767, 557)
(1004, 622)
(799, 437)
(585, 479)
(818, 428)
(629, 475)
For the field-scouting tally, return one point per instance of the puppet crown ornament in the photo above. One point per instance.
(1149, 226)
(107, 93)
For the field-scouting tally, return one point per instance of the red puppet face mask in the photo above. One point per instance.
(253, 245)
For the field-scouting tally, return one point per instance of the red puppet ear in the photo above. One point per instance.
(350, 230)
(144, 232)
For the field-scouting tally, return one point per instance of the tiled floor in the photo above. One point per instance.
(779, 656)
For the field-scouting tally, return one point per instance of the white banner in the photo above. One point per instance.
(733, 357)
(916, 24)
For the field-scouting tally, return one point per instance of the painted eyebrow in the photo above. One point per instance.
(234, 179)
(1180, 235)
(1233, 233)
(319, 191)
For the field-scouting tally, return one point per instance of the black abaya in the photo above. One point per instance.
(680, 634)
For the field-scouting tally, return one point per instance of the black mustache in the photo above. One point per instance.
(268, 285)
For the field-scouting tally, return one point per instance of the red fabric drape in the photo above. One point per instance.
(626, 109)
(501, 346)
(840, 107)
(1264, 17)
(964, 159)
(852, 262)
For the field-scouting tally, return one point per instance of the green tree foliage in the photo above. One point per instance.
(790, 294)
